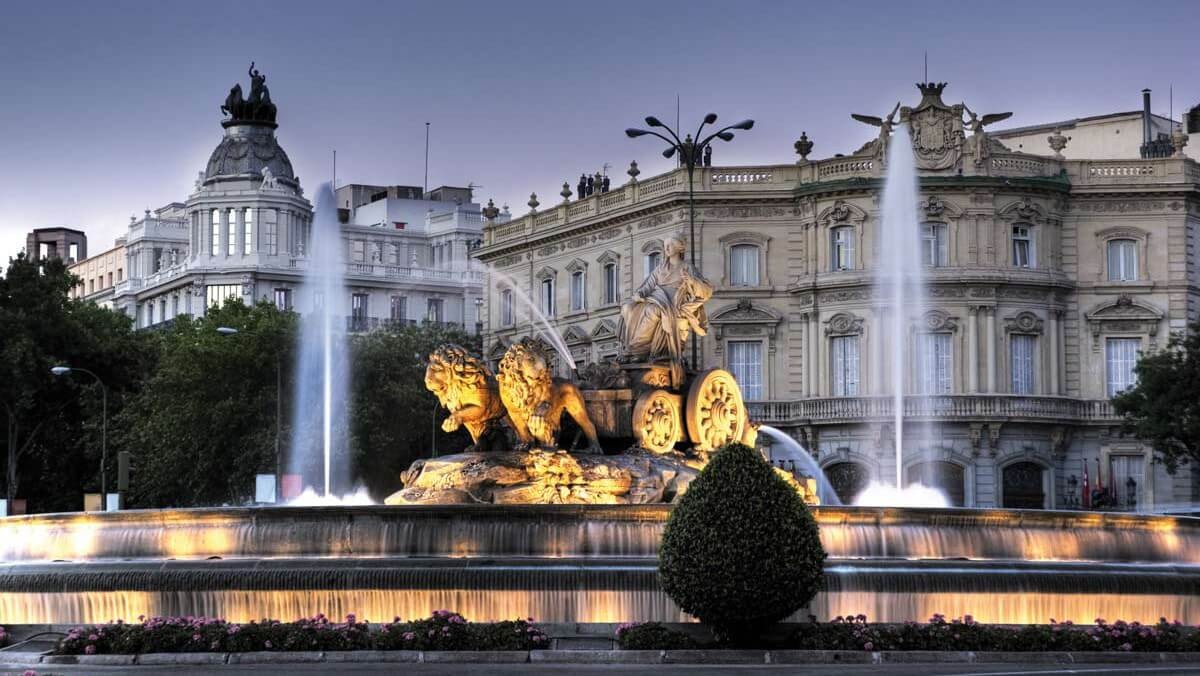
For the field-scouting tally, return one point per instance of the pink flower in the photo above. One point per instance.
(29, 672)
(89, 650)
(408, 636)
(868, 646)
(93, 637)
(267, 645)
(1126, 647)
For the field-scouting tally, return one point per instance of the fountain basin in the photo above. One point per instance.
(582, 563)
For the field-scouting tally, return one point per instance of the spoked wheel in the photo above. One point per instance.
(715, 413)
(656, 421)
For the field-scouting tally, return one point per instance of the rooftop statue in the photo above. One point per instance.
(258, 108)
(665, 310)
(886, 125)
(979, 142)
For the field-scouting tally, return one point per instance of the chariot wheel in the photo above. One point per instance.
(715, 413)
(656, 421)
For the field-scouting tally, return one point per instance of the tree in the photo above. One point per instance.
(1163, 408)
(741, 550)
(52, 440)
(204, 425)
(393, 419)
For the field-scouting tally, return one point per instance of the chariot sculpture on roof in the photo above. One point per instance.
(257, 109)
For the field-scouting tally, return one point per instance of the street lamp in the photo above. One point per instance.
(61, 371)
(690, 152)
(230, 331)
(479, 317)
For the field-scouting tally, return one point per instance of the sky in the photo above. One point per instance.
(112, 107)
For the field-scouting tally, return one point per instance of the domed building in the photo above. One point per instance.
(243, 233)
(1045, 277)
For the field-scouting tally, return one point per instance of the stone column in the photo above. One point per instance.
(991, 349)
(875, 354)
(973, 349)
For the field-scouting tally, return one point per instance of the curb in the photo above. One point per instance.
(607, 657)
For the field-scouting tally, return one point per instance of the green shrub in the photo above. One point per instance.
(652, 636)
(741, 550)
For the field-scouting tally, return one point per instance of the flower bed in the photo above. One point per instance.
(443, 630)
(960, 634)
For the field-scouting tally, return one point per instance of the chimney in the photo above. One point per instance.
(1146, 135)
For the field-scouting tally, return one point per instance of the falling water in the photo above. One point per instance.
(322, 366)
(901, 270)
(543, 326)
(808, 465)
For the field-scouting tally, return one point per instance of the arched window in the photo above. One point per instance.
(652, 260)
(944, 476)
(842, 250)
(743, 265)
(547, 296)
(848, 480)
(1122, 260)
(933, 244)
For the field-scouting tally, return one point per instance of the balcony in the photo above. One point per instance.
(364, 324)
(963, 407)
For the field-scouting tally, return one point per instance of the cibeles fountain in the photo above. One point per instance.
(530, 520)
(637, 431)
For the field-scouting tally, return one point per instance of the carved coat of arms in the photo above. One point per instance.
(936, 128)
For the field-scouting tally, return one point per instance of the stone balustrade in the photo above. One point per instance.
(394, 271)
(965, 407)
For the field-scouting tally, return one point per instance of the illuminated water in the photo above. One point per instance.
(807, 464)
(521, 300)
(322, 365)
(578, 563)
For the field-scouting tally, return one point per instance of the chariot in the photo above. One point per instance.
(640, 402)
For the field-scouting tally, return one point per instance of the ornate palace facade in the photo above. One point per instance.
(1046, 277)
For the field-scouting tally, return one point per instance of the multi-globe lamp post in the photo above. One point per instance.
(690, 152)
(61, 371)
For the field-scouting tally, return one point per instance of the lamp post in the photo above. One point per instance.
(691, 152)
(479, 318)
(229, 331)
(65, 370)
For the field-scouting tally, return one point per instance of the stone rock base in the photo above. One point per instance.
(545, 477)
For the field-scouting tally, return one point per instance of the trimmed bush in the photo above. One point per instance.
(741, 550)
(652, 636)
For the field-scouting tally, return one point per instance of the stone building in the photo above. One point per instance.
(65, 243)
(244, 230)
(1045, 276)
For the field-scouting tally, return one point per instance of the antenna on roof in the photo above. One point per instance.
(335, 168)
(425, 188)
(926, 66)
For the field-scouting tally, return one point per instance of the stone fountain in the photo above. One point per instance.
(636, 431)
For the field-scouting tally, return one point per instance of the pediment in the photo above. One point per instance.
(575, 335)
(841, 211)
(1124, 307)
(745, 312)
(604, 330)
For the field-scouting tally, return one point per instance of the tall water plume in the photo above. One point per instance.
(318, 448)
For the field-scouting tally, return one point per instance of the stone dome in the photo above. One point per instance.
(243, 153)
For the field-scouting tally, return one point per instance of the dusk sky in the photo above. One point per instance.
(109, 108)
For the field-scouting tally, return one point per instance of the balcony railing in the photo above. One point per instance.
(832, 410)
(364, 324)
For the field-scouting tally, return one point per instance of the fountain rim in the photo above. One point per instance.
(826, 515)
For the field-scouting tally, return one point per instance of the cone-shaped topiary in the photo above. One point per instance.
(741, 550)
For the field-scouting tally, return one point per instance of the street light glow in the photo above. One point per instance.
(60, 370)
(226, 330)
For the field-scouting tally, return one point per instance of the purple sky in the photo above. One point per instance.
(112, 107)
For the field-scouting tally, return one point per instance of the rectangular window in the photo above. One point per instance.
(248, 230)
(217, 293)
(1021, 359)
(283, 299)
(935, 366)
(91, 286)
(745, 363)
(933, 244)
(358, 251)
(1022, 244)
(1120, 356)
(358, 311)
(433, 311)
(611, 284)
(1122, 468)
(547, 297)
(156, 259)
(120, 274)
(743, 265)
(842, 257)
(845, 366)
(232, 236)
(110, 279)
(215, 225)
(399, 309)
(577, 291)
(506, 307)
(652, 260)
(270, 232)
(1122, 260)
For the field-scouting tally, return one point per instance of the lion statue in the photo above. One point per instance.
(536, 402)
(464, 386)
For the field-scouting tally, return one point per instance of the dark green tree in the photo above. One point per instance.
(393, 419)
(204, 425)
(1164, 406)
(52, 424)
(741, 550)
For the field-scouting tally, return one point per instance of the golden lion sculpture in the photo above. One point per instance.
(464, 386)
(536, 402)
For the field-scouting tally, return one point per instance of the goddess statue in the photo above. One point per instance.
(665, 310)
